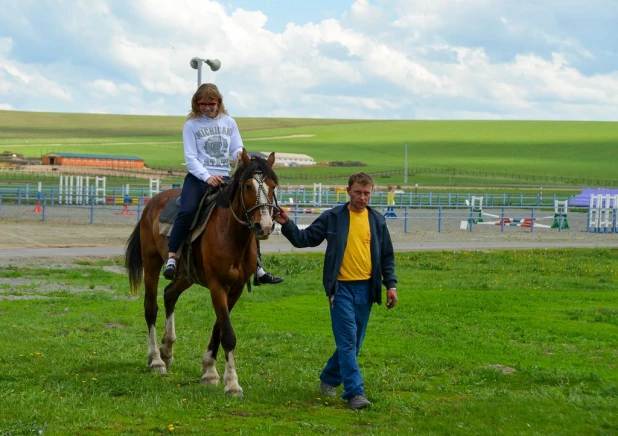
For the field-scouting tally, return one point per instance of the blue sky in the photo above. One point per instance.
(371, 59)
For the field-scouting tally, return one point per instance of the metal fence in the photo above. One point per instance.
(85, 193)
(400, 218)
(458, 219)
(83, 202)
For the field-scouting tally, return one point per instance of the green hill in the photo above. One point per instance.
(439, 152)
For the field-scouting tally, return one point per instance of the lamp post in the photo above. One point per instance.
(405, 165)
(196, 64)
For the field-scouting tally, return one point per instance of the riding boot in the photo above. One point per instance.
(266, 279)
(169, 272)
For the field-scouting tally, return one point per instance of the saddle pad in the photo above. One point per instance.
(169, 212)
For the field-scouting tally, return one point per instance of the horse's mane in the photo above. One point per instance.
(242, 173)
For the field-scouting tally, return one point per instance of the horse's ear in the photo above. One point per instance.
(245, 157)
(271, 159)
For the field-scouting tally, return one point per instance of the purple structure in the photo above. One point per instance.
(583, 199)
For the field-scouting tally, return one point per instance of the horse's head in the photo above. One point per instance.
(253, 189)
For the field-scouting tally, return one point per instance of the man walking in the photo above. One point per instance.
(359, 259)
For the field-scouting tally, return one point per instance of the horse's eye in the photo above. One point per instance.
(249, 187)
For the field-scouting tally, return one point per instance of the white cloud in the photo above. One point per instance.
(18, 81)
(365, 17)
(105, 89)
(373, 59)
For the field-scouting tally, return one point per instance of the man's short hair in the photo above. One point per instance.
(361, 178)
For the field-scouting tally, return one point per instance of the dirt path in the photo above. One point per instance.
(18, 235)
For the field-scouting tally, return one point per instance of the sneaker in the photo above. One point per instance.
(266, 279)
(327, 389)
(169, 272)
(358, 402)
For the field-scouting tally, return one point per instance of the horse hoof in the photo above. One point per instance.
(167, 357)
(158, 367)
(234, 393)
(210, 380)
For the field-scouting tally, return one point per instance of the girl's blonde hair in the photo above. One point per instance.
(206, 91)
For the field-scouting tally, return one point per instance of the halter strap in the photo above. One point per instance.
(258, 176)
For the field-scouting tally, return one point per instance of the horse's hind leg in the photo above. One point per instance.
(151, 282)
(170, 297)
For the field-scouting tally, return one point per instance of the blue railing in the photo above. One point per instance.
(443, 210)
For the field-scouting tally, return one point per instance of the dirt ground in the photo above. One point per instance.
(107, 232)
(73, 239)
(39, 234)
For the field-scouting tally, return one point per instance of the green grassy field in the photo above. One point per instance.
(526, 345)
(450, 153)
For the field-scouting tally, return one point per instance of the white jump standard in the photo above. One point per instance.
(559, 218)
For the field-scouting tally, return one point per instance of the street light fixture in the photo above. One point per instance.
(196, 64)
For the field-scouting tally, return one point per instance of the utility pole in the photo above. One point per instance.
(405, 165)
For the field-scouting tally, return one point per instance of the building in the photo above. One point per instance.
(92, 160)
(287, 159)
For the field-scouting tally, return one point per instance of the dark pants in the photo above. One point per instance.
(259, 259)
(193, 190)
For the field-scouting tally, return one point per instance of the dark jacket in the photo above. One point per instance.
(333, 225)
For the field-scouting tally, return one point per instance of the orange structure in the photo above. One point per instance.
(92, 160)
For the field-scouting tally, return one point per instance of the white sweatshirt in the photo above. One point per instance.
(208, 145)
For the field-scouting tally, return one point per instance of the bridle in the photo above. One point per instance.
(261, 200)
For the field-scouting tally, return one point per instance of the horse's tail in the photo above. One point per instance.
(133, 260)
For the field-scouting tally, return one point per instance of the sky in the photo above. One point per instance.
(360, 59)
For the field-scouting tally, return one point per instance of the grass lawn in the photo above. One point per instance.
(500, 342)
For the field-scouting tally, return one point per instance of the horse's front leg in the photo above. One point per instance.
(223, 304)
(209, 361)
(170, 297)
(230, 377)
(228, 342)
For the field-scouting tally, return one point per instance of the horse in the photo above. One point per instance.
(225, 258)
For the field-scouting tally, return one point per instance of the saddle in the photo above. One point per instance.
(171, 209)
(167, 217)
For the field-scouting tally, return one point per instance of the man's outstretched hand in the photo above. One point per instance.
(282, 217)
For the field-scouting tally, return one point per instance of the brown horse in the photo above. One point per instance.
(225, 257)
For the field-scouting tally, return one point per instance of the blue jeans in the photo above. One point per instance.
(349, 316)
(193, 189)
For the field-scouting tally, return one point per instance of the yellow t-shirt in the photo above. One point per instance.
(356, 264)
